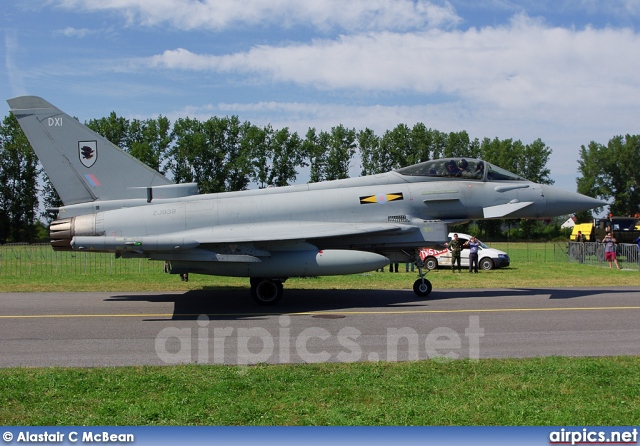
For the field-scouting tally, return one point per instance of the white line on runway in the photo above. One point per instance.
(314, 313)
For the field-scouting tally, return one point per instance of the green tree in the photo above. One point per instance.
(115, 128)
(368, 146)
(504, 153)
(438, 144)
(315, 147)
(394, 149)
(457, 145)
(421, 146)
(237, 167)
(256, 141)
(50, 197)
(287, 157)
(533, 162)
(342, 147)
(189, 140)
(18, 183)
(611, 173)
(149, 141)
(209, 159)
(216, 154)
(529, 161)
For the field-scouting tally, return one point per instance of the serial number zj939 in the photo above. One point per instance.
(159, 212)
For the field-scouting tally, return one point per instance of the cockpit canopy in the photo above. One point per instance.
(466, 168)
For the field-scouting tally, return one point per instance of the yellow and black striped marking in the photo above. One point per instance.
(381, 198)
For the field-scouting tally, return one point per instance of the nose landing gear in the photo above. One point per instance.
(422, 287)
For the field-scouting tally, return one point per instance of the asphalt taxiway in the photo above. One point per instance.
(152, 328)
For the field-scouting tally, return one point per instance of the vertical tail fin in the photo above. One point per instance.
(82, 165)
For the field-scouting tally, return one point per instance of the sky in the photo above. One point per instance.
(564, 71)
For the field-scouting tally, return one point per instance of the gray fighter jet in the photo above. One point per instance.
(114, 203)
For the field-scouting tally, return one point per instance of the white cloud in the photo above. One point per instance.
(14, 74)
(320, 14)
(520, 65)
(75, 32)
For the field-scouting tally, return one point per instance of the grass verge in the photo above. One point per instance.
(539, 391)
(524, 275)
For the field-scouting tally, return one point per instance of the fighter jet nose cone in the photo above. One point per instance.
(562, 202)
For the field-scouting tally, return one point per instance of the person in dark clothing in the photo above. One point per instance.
(455, 246)
(473, 244)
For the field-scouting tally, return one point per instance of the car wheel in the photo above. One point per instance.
(486, 264)
(431, 263)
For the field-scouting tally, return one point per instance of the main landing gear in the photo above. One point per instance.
(422, 287)
(266, 291)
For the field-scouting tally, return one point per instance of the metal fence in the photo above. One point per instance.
(593, 254)
(587, 253)
(525, 252)
(41, 260)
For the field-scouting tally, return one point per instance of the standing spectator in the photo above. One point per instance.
(473, 245)
(455, 246)
(580, 238)
(610, 250)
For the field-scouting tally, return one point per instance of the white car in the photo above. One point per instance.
(488, 258)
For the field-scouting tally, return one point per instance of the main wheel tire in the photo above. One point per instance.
(431, 263)
(266, 291)
(421, 288)
(486, 264)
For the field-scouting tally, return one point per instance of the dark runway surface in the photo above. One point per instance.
(100, 329)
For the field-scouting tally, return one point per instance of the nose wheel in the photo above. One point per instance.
(422, 287)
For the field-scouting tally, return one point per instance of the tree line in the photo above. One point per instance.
(225, 154)
(612, 172)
